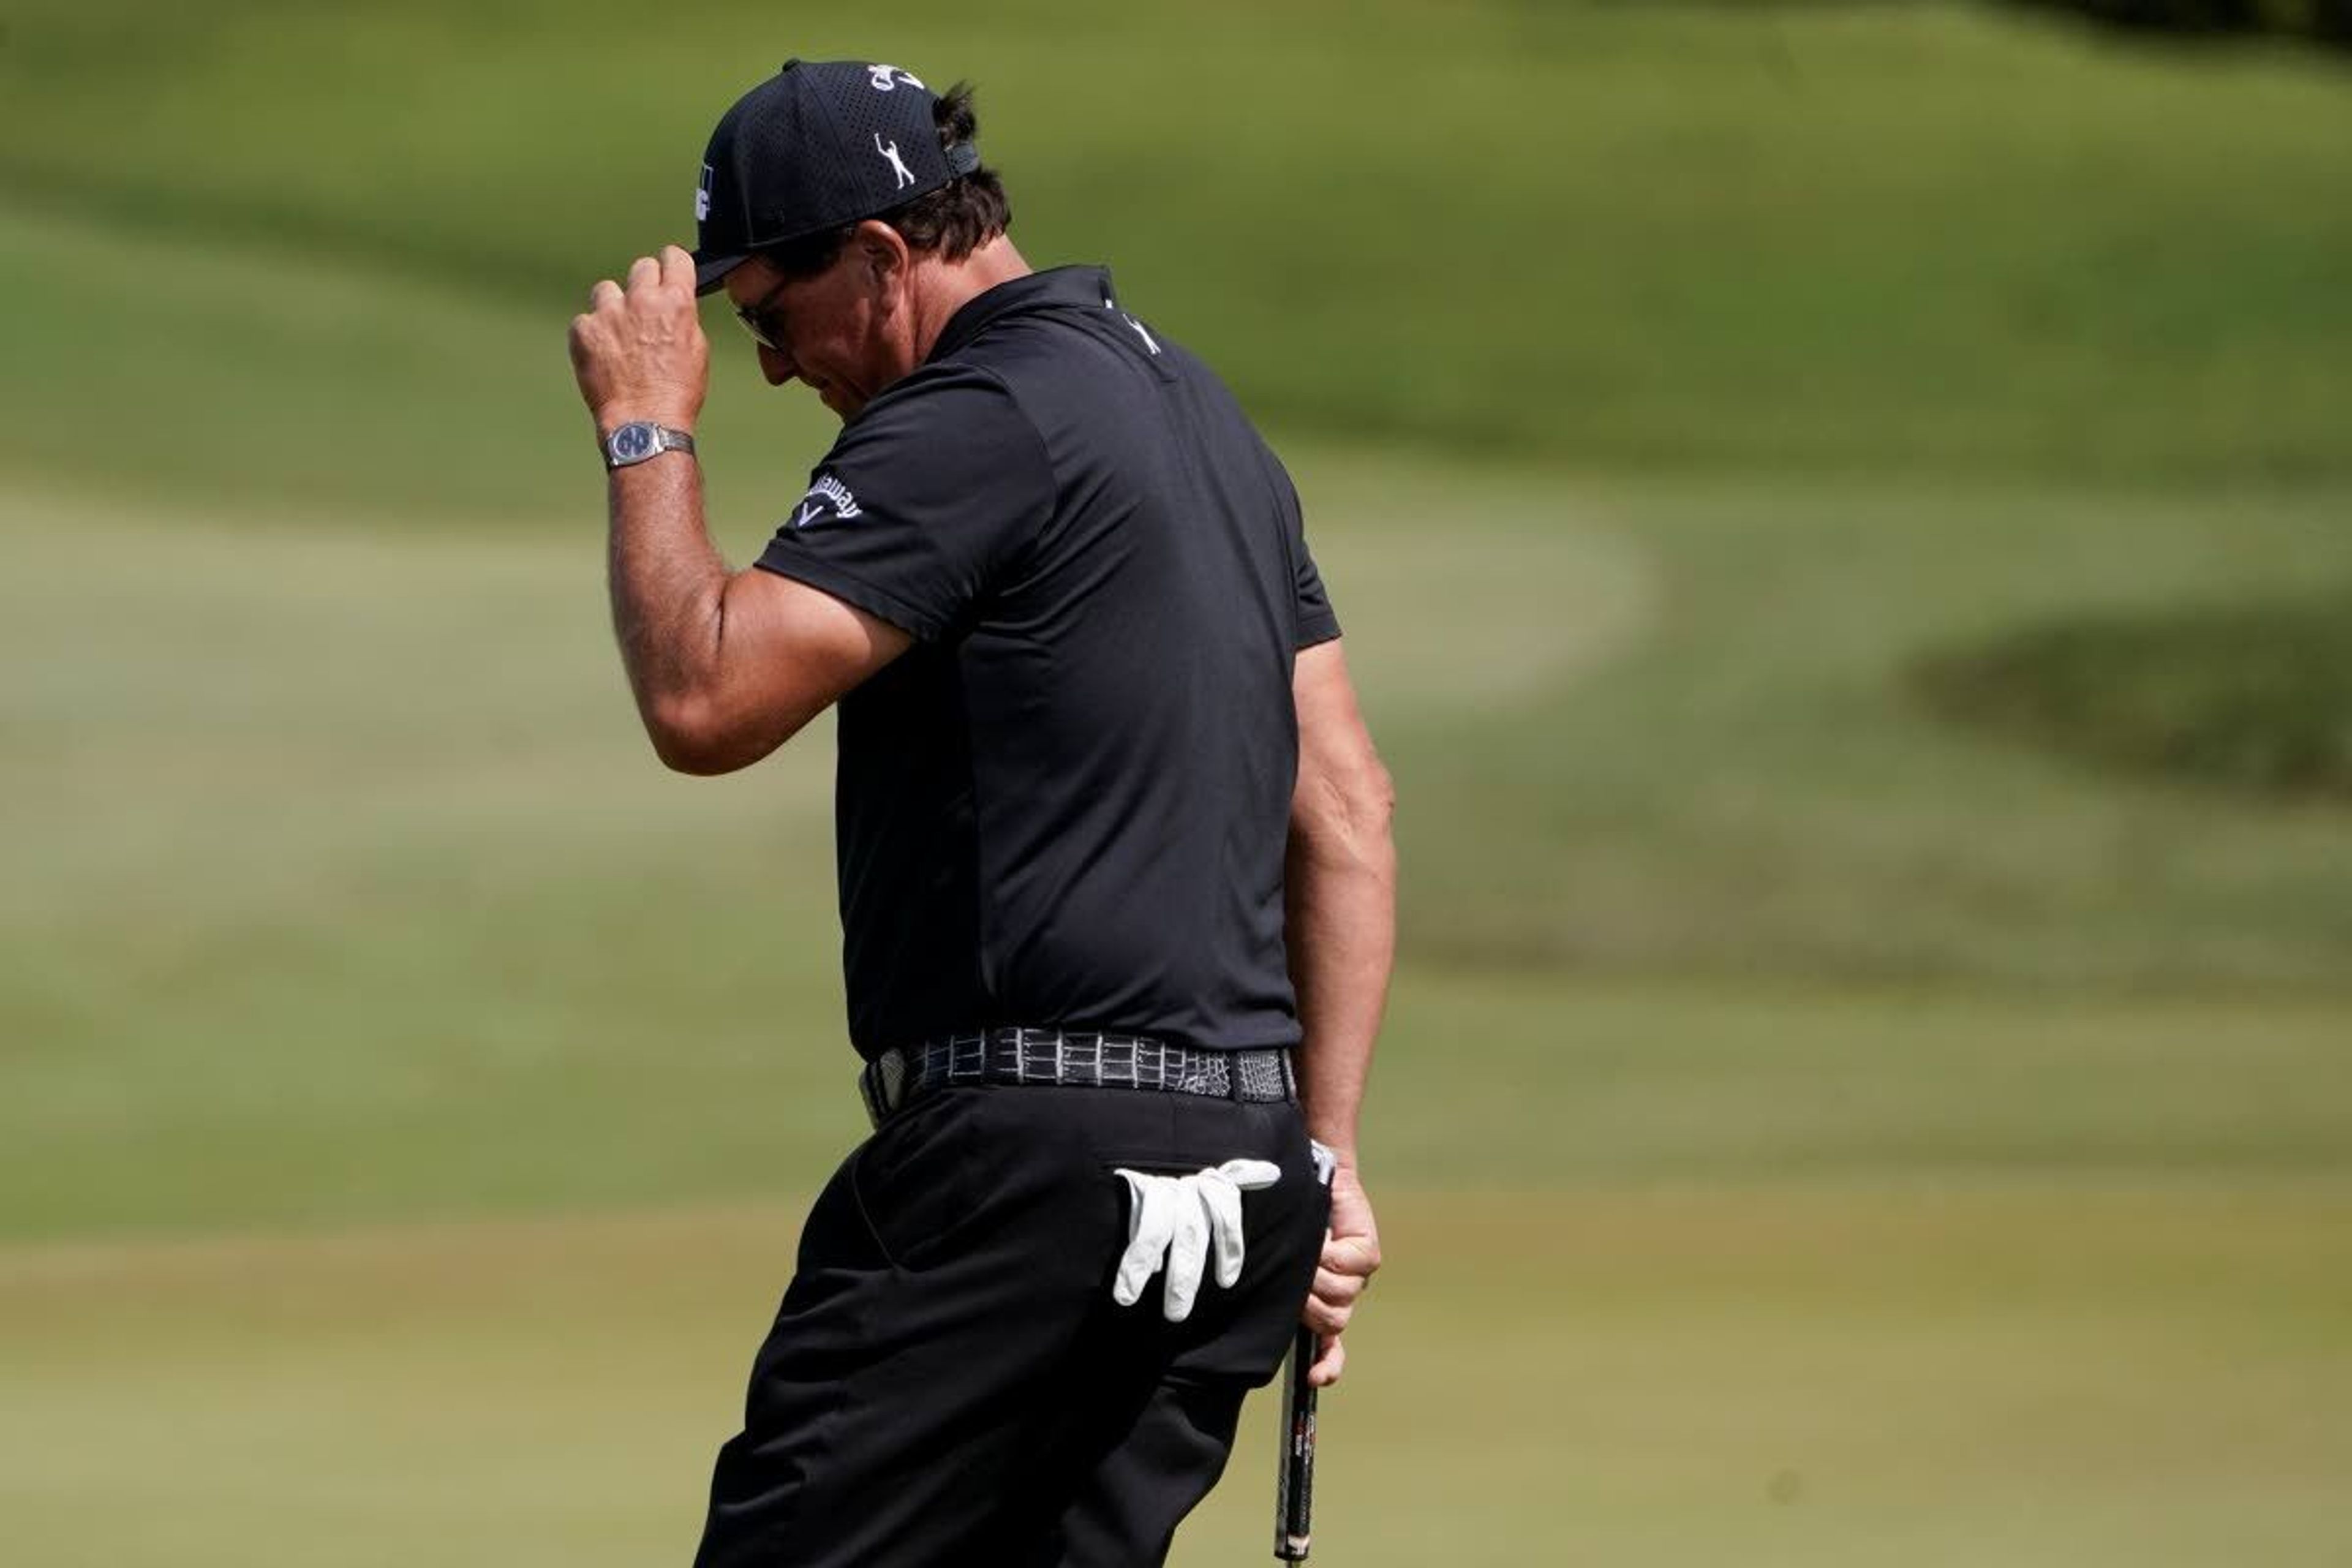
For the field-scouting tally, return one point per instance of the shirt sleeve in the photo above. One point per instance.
(924, 499)
(1313, 619)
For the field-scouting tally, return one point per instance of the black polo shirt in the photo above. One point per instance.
(1067, 803)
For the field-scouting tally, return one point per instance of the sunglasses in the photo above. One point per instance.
(768, 334)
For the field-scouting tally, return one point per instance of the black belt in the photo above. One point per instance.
(1073, 1059)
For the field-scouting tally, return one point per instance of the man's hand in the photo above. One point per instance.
(1352, 1253)
(639, 352)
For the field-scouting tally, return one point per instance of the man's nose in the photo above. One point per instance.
(775, 364)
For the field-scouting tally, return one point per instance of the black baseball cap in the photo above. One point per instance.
(820, 144)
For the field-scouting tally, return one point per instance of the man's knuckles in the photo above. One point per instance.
(658, 283)
(1335, 1287)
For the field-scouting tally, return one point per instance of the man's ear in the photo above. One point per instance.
(882, 255)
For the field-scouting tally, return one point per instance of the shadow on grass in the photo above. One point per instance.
(2252, 698)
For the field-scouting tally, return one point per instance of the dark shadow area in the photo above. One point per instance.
(2325, 23)
(2255, 698)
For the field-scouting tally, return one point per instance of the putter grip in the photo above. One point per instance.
(1294, 1502)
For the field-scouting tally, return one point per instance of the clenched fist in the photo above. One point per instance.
(1351, 1256)
(639, 352)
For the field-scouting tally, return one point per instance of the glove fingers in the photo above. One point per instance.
(1249, 1175)
(1223, 1200)
(1176, 1223)
(1188, 1251)
(1150, 1222)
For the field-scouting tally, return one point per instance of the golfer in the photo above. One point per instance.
(1117, 885)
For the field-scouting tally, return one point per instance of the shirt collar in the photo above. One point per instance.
(1057, 288)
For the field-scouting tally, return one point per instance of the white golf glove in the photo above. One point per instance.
(1177, 1221)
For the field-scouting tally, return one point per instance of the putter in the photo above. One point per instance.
(1293, 1490)
(1294, 1496)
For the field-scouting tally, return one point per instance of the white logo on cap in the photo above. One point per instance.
(887, 77)
(702, 195)
(897, 165)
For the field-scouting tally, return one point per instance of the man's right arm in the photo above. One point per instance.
(726, 667)
(1340, 899)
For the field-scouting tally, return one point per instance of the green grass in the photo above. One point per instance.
(2251, 696)
(1885, 238)
(345, 885)
(2059, 1378)
(1748, 786)
(1885, 1142)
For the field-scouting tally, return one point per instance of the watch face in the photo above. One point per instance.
(631, 442)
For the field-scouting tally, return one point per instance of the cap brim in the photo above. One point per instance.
(711, 271)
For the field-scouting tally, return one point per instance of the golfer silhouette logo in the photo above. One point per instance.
(897, 165)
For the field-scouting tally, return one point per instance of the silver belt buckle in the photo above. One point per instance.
(882, 1084)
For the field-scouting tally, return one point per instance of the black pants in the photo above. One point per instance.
(948, 1380)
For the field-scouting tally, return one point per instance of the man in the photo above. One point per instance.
(1117, 885)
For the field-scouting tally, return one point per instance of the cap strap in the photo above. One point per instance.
(962, 158)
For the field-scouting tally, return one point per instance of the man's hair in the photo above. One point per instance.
(950, 222)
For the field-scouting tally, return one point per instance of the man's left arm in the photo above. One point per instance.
(725, 667)
(1340, 926)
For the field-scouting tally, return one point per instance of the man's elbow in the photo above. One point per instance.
(685, 737)
(1372, 798)
(682, 756)
(1348, 811)
(693, 735)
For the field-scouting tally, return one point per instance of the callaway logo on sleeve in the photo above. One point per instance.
(828, 501)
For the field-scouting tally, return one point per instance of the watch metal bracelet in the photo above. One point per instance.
(638, 440)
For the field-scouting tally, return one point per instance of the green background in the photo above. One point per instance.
(1808, 1132)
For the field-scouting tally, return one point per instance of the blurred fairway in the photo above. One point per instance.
(1887, 1143)
(2075, 1377)
(318, 913)
(1788, 1218)
(1883, 238)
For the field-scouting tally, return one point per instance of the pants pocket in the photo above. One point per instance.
(904, 1180)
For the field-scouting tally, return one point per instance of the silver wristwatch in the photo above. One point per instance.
(640, 439)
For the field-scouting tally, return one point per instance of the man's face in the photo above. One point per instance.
(829, 329)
